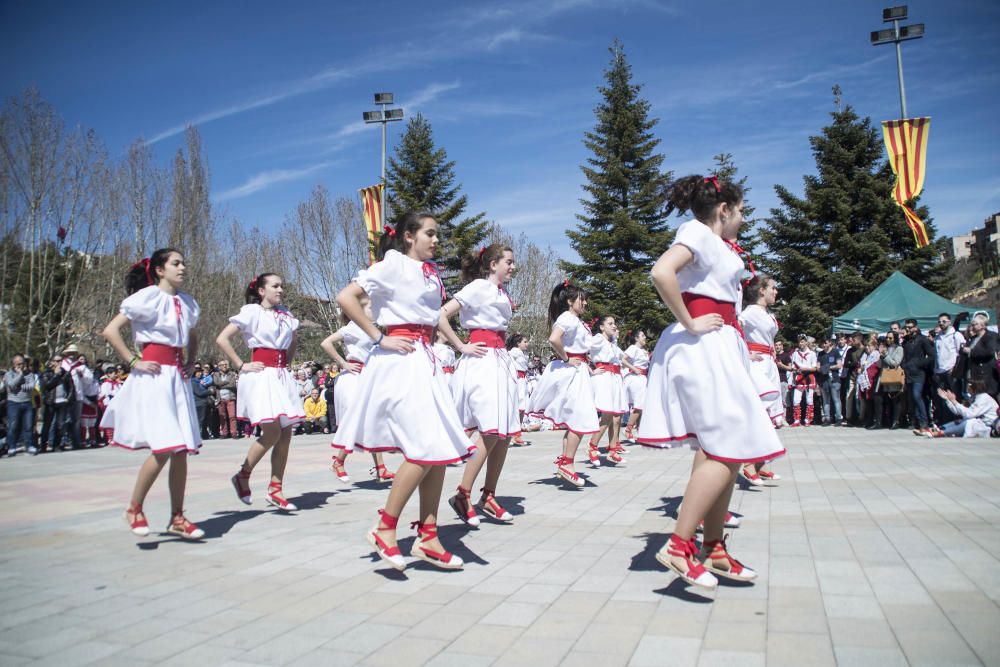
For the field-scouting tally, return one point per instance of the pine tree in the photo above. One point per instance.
(830, 248)
(725, 170)
(622, 230)
(421, 178)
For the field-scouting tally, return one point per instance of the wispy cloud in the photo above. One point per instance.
(829, 73)
(268, 178)
(429, 94)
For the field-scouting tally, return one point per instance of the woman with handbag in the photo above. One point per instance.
(890, 384)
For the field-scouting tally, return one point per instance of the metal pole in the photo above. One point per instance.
(384, 123)
(899, 70)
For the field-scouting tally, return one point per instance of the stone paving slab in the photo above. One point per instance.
(875, 549)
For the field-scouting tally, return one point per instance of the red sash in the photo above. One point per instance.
(165, 355)
(611, 368)
(639, 371)
(761, 348)
(522, 374)
(577, 355)
(494, 339)
(270, 357)
(412, 331)
(448, 370)
(699, 305)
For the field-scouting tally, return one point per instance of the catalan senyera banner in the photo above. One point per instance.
(371, 208)
(906, 143)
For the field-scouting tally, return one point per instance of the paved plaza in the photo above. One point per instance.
(877, 548)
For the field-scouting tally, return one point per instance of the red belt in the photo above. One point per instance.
(611, 368)
(359, 363)
(699, 305)
(522, 374)
(164, 355)
(639, 371)
(412, 331)
(577, 355)
(487, 337)
(270, 357)
(448, 370)
(761, 348)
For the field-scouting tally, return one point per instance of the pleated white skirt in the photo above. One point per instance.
(154, 412)
(609, 393)
(635, 390)
(485, 392)
(270, 395)
(699, 389)
(564, 396)
(399, 404)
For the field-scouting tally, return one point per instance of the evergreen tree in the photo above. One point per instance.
(830, 248)
(421, 178)
(622, 230)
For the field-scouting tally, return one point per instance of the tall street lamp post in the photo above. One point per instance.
(383, 116)
(894, 35)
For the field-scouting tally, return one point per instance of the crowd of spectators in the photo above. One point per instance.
(58, 406)
(904, 378)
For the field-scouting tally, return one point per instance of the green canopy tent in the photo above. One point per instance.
(897, 299)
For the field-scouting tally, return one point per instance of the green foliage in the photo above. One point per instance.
(830, 248)
(421, 178)
(622, 230)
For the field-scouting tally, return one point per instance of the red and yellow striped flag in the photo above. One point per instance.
(371, 208)
(906, 142)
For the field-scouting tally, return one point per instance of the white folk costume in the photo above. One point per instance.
(804, 381)
(446, 362)
(609, 386)
(699, 387)
(760, 328)
(564, 393)
(270, 395)
(485, 388)
(520, 360)
(635, 383)
(157, 411)
(359, 346)
(400, 404)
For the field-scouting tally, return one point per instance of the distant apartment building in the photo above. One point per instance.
(961, 246)
(986, 246)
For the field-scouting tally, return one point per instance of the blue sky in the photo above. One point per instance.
(277, 90)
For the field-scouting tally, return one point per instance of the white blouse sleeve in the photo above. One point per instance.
(141, 306)
(472, 295)
(567, 321)
(696, 237)
(192, 309)
(381, 278)
(245, 318)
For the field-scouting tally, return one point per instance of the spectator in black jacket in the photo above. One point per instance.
(980, 354)
(918, 361)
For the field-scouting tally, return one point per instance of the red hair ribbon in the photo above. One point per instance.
(144, 263)
(253, 284)
(391, 231)
(714, 181)
(566, 282)
(482, 251)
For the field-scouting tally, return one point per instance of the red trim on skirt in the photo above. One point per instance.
(175, 448)
(394, 449)
(560, 426)
(270, 420)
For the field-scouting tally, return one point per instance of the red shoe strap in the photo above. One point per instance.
(465, 493)
(687, 551)
(274, 488)
(427, 531)
(388, 520)
(563, 460)
(385, 548)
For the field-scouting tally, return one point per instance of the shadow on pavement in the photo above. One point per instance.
(680, 590)
(311, 500)
(670, 506)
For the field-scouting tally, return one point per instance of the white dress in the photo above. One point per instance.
(359, 346)
(564, 394)
(520, 360)
(609, 386)
(485, 388)
(157, 411)
(270, 395)
(699, 387)
(400, 404)
(445, 356)
(635, 383)
(760, 329)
